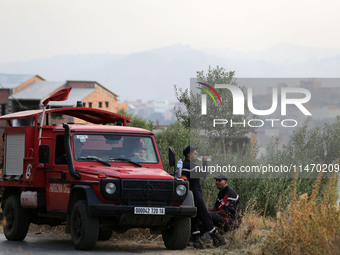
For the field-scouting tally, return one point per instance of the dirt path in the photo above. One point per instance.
(46, 240)
(41, 243)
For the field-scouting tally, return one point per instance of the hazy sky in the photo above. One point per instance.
(32, 29)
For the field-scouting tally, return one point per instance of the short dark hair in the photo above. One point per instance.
(188, 150)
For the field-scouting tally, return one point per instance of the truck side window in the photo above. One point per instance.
(60, 155)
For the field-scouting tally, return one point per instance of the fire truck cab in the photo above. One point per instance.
(94, 178)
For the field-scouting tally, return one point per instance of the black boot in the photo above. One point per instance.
(218, 240)
(197, 242)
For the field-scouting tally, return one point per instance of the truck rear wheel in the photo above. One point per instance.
(176, 235)
(17, 221)
(84, 228)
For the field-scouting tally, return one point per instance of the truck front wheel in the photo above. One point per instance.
(17, 221)
(84, 228)
(177, 233)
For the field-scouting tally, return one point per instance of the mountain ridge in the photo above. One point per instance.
(151, 74)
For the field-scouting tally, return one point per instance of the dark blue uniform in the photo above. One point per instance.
(202, 222)
(229, 201)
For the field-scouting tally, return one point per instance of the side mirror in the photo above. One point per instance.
(172, 158)
(44, 153)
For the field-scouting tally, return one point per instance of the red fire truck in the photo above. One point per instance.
(96, 179)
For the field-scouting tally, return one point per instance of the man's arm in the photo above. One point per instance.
(220, 212)
(213, 210)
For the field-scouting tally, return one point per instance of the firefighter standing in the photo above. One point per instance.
(202, 222)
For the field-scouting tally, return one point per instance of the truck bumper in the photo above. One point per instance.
(112, 210)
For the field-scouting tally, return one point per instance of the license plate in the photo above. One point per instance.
(150, 210)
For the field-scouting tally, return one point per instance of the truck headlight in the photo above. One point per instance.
(181, 190)
(110, 188)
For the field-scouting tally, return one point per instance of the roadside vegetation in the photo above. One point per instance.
(295, 215)
(310, 224)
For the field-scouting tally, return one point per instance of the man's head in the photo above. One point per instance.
(138, 150)
(221, 181)
(190, 153)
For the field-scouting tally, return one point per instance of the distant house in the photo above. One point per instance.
(31, 96)
(10, 84)
(27, 92)
(91, 93)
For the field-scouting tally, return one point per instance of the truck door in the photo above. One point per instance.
(58, 190)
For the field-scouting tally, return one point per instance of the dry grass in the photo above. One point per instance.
(309, 225)
(141, 235)
(48, 230)
(247, 239)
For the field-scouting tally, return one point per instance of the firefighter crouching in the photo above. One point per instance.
(227, 210)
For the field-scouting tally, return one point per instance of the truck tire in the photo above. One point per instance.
(17, 220)
(177, 234)
(84, 228)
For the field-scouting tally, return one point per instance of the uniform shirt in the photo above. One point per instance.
(194, 183)
(202, 222)
(229, 201)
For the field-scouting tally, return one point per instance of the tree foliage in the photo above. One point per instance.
(212, 140)
(267, 195)
(137, 121)
(306, 146)
(175, 136)
(182, 115)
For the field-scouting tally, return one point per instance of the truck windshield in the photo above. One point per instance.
(114, 148)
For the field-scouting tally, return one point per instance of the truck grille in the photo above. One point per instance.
(147, 192)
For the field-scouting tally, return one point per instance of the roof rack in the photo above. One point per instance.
(92, 115)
